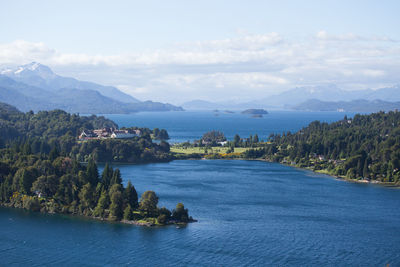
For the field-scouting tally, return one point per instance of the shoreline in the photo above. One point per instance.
(343, 178)
(123, 221)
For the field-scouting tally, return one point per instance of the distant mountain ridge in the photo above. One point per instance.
(330, 93)
(298, 97)
(360, 105)
(39, 75)
(35, 87)
(201, 105)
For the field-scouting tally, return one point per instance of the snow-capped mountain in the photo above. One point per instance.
(36, 87)
(39, 75)
(31, 70)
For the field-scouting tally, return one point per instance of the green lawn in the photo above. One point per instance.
(201, 150)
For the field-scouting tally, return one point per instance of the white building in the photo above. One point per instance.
(123, 134)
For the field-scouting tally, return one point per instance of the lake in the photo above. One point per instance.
(250, 213)
(191, 125)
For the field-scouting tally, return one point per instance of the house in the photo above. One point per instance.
(223, 143)
(108, 133)
(87, 134)
(123, 134)
(103, 133)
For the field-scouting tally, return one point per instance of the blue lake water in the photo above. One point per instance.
(250, 213)
(191, 125)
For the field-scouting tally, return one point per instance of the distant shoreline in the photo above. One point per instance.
(343, 178)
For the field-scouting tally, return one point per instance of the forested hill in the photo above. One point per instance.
(47, 130)
(45, 124)
(364, 147)
(40, 169)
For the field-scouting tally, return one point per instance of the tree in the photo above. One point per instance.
(162, 219)
(180, 213)
(236, 140)
(148, 203)
(128, 213)
(163, 135)
(67, 189)
(92, 174)
(131, 196)
(164, 146)
(255, 139)
(165, 215)
(102, 204)
(116, 211)
(54, 153)
(213, 137)
(160, 134)
(106, 176)
(116, 178)
(86, 196)
(47, 185)
(23, 179)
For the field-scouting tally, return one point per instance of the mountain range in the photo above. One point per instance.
(36, 87)
(298, 98)
(360, 105)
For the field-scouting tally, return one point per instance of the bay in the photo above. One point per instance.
(250, 213)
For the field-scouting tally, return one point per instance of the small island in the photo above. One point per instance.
(254, 111)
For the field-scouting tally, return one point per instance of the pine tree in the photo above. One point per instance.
(116, 211)
(92, 174)
(107, 176)
(116, 177)
(130, 196)
(86, 196)
(102, 204)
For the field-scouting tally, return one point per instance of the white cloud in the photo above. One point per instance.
(238, 67)
(23, 51)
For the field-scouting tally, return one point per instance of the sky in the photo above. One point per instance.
(176, 51)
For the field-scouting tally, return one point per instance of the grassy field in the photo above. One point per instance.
(201, 150)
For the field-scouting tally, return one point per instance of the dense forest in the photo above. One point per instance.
(365, 147)
(40, 171)
(39, 133)
(56, 184)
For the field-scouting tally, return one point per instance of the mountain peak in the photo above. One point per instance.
(39, 69)
(33, 65)
(30, 70)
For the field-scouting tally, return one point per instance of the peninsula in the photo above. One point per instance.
(40, 168)
(365, 148)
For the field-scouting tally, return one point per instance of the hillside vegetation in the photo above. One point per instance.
(365, 147)
(39, 133)
(40, 168)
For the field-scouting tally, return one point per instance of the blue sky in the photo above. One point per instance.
(180, 50)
